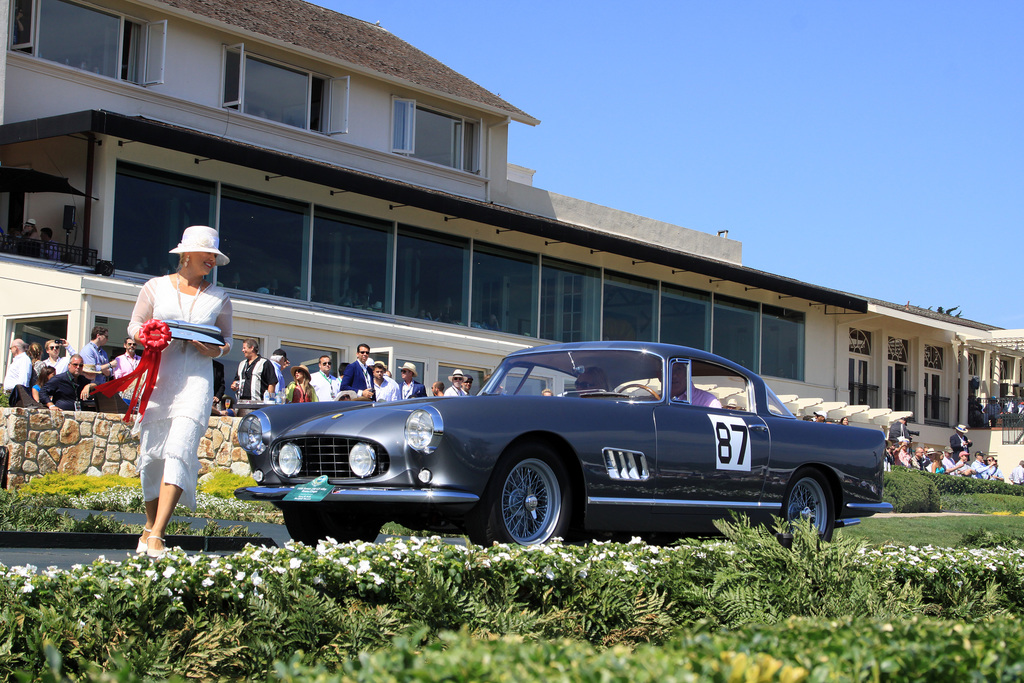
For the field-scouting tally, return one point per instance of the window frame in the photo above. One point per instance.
(333, 116)
(150, 52)
(403, 140)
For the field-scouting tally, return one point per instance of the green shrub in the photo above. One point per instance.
(222, 483)
(962, 486)
(911, 490)
(75, 484)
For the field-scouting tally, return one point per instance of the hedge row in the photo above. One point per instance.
(206, 616)
(795, 651)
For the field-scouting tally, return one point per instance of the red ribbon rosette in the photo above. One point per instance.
(155, 336)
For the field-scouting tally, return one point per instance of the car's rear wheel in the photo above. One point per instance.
(527, 500)
(311, 523)
(810, 497)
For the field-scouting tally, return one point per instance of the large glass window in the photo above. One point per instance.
(630, 308)
(685, 317)
(431, 279)
(570, 302)
(151, 209)
(433, 136)
(782, 343)
(735, 334)
(504, 290)
(88, 39)
(267, 240)
(352, 261)
(78, 36)
(279, 93)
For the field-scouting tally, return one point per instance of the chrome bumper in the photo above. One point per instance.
(342, 494)
(867, 509)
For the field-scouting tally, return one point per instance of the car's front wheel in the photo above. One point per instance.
(527, 500)
(810, 497)
(309, 524)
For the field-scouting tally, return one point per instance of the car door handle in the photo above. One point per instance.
(758, 428)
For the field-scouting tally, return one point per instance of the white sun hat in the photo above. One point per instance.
(201, 238)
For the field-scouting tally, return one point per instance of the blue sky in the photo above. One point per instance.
(872, 147)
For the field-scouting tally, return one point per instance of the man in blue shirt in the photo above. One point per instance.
(95, 357)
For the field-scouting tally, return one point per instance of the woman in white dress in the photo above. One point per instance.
(179, 408)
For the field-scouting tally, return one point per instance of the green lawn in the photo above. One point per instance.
(936, 530)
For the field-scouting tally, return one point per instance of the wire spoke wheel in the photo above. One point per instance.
(810, 498)
(530, 501)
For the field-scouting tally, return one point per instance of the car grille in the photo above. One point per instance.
(328, 455)
(624, 464)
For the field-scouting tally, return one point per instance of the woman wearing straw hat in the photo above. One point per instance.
(178, 411)
(300, 391)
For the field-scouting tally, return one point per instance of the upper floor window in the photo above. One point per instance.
(264, 88)
(434, 136)
(88, 39)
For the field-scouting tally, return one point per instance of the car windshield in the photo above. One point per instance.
(590, 373)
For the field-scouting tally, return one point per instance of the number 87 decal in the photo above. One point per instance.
(732, 443)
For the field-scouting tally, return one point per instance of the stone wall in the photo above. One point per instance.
(44, 441)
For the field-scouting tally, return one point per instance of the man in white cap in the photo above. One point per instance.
(28, 231)
(959, 441)
(410, 387)
(456, 388)
(820, 416)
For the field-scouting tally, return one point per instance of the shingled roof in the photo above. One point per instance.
(349, 40)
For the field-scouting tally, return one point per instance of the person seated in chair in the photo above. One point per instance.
(67, 388)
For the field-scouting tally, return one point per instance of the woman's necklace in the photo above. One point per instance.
(199, 290)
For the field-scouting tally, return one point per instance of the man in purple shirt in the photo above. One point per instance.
(695, 396)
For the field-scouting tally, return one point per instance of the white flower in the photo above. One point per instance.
(294, 563)
(207, 583)
(257, 580)
(240, 576)
(169, 572)
(364, 566)
(27, 588)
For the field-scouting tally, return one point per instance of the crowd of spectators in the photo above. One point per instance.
(954, 460)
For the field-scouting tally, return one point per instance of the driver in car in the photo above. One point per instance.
(592, 379)
(698, 397)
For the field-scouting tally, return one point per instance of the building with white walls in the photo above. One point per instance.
(363, 192)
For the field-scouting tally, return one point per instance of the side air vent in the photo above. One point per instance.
(630, 465)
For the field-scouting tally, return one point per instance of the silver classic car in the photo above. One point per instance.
(579, 441)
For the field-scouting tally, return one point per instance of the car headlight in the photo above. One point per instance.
(289, 460)
(423, 429)
(362, 460)
(254, 433)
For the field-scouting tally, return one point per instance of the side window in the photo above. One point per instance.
(700, 383)
(680, 380)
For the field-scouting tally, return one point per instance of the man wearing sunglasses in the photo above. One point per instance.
(66, 389)
(324, 383)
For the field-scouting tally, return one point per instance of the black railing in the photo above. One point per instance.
(936, 410)
(48, 251)
(1013, 429)
(903, 400)
(863, 394)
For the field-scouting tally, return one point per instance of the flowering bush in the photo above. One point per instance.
(207, 616)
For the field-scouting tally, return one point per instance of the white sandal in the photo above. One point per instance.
(156, 554)
(141, 548)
